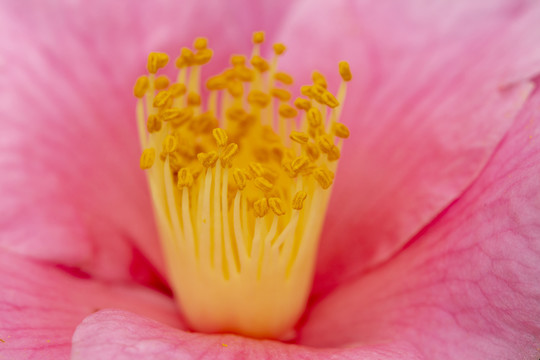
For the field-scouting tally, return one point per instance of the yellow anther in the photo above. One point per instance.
(147, 158)
(200, 43)
(259, 63)
(334, 153)
(287, 111)
(340, 130)
(169, 144)
(228, 153)
(312, 151)
(300, 162)
(193, 99)
(238, 60)
(277, 206)
(319, 79)
(307, 90)
(258, 37)
(185, 58)
(141, 86)
(208, 159)
(299, 137)
(185, 178)
(161, 82)
(256, 169)
(178, 116)
(202, 57)
(177, 90)
(281, 94)
(325, 143)
(162, 99)
(298, 200)
(242, 73)
(324, 177)
(263, 184)
(157, 61)
(315, 132)
(260, 207)
(235, 88)
(329, 100)
(284, 78)
(345, 71)
(314, 117)
(279, 48)
(153, 123)
(271, 174)
(240, 178)
(218, 82)
(258, 98)
(236, 113)
(220, 136)
(302, 104)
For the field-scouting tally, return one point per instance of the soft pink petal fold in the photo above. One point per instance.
(120, 335)
(40, 306)
(430, 100)
(467, 287)
(72, 192)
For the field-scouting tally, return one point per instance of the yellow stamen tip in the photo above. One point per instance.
(324, 177)
(208, 159)
(345, 71)
(157, 61)
(314, 117)
(161, 82)
(240, 178)
(263, 184)
(200, 43)
(228, 153)
(277, 206)
(258, 98)
(284, 78)
(147, 158)
(300, 162)
(260, 207)
(298, 200)
(202, 57)
(141, 86)
(162, 99)
(193, 99)
(281, 94)
(220, 136)
(169, 144)
(287, 111)
(185, 178)
(279, 48)
(259, 63)
(302, 104)
(153, 124)
(177, 90)
(299, 137)
(340, 130)
(319, 79)
(258, 37)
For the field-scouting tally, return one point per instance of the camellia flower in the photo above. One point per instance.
(430, 244)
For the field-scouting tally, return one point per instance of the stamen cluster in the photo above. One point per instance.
(238, 183)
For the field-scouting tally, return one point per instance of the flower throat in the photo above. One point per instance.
(240, 179)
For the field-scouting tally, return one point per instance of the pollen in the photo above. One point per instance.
(240, 174)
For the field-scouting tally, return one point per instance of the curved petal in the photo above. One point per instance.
(430, 101)
(467, 287)
(40, 306)
(119, 335)
(68, 127)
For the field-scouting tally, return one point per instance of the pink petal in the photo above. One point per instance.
(430, 101)
(467, 287)
(119, 335)
(40, 306)
(73, 193)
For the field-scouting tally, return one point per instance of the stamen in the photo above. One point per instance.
(240, 181)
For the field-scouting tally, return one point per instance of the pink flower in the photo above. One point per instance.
(430, 247)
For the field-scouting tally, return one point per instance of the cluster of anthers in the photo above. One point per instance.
(240, 184)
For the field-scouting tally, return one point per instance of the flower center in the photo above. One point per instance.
(240, 185)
